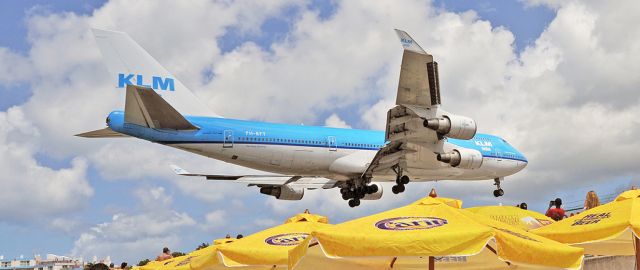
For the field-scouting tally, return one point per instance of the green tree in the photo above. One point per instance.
(201, 246)
(143, 262)
(177, 254)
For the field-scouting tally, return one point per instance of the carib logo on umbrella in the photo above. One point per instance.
(286, 239)
(410, 223)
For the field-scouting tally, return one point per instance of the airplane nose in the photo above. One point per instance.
(522, 163)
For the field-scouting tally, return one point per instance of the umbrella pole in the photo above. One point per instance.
(637, 248)
(432, 263)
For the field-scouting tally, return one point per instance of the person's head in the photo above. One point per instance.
(123, 265)
(111, 265)
(166, 250)
(239, 236)
(557, 202)
(523, 206)
(592, 200)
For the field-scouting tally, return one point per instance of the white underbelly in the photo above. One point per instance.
(282, 159)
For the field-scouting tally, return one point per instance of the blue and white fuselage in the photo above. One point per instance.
(312, 150)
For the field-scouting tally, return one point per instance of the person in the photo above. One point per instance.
(166, 254)
(99, 266)
(523, 206)
(123, 265)
(591, 201)
(556, 213)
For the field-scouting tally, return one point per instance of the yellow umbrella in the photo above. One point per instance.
(196, 259)
(270, 248)
(523, 219)
(430, 232)
(629, 194)
(609, 229)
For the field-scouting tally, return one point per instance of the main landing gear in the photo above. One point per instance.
(401, 180)
(354, 190)
(498, 192)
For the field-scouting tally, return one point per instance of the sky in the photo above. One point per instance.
(557, 79)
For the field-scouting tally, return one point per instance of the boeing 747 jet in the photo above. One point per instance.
(421, 141)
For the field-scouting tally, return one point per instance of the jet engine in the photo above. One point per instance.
(283, 192)
(375, 195)
(462, 158)
(453, 126)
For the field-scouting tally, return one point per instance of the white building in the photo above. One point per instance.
(51, 262)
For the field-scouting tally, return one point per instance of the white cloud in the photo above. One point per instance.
(135, 236)
(132, 237)
(154, 197)
(335, 121)
(14, 68)
(66, 225)
(215, 220)
(29, 189)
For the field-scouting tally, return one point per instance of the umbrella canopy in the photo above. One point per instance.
(514, 216)
(196, 259)
(608, 229)
(430, 232)
(271, 246)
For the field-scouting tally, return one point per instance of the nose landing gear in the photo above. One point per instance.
(498, 192)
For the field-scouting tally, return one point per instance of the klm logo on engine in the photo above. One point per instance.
(157, 83)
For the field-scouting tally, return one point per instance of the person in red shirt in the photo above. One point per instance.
(556, 213)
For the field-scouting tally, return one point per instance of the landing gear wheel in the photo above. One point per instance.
(404, 180)
(498, 192)
(345, 196)
(372, 189)
(352, 203)
(397, 189)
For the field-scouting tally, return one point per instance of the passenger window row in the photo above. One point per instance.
(260, 139)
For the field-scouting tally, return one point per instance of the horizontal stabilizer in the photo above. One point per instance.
(308, 182)
(144, 107)
(102, 133)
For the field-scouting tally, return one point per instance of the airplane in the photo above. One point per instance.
(422, 142)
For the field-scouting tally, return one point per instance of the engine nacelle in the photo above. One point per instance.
(284, 192)
(376, 195)
(462, 158)
(453, 126)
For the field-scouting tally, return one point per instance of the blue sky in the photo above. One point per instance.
(115, 196)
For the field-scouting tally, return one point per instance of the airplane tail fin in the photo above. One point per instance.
(130, 64)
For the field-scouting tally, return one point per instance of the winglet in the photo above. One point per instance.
(179, 171)
(408, 43)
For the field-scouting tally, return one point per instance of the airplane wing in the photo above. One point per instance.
(418, 98)
(306, 182)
